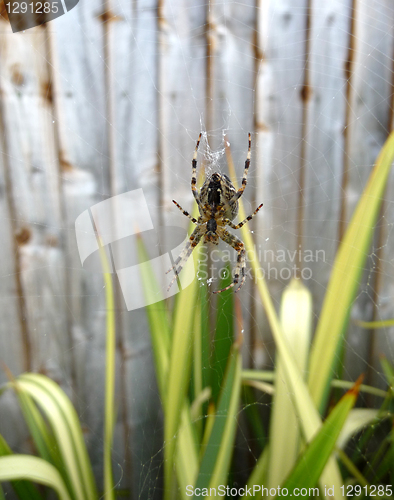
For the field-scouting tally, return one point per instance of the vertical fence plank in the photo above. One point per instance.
(368, 125)
(85, 181)
(181, 92)
(81, 75)
(133, 68)
(35, 194)
(286, 56)
(233, 73)
(379, 272)
(279, 121)
(14, 353)
(265, 136)
(383, 338)
(33, 220)
(233, 76)
(324, 138)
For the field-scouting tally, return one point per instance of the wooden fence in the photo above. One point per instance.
(111, 97)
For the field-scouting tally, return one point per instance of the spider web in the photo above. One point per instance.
(313, 85)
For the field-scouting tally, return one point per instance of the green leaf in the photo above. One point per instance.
(110, 347)
(388, 371)
(15, 467)
(375, 324)
(224, 333)
(186, 453)
(178, 377)
(196, 387)
(264, 375)
(43, 438)
(159, 322)
(67, 430)
(345, 278)
(368, 389)
(218, 452)
(24, 489)
(357, 419)
(284, 439)
(312, 462)
(205, 337)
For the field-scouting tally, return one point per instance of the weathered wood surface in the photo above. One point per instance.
(111, 97)
(369, 124)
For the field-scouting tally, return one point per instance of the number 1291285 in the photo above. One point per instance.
(372, 490)
(33, 7)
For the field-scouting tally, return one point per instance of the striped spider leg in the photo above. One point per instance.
(194, 175)
(237, 244)
(196, 235)
(232, 202)
(194, 240)
(239, 247)
(241, 190)
(195, 221)
(240, 224)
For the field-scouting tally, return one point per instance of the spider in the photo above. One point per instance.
(218, 205)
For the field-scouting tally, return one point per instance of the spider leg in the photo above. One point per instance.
(194, 240)
(237, 244)
(240, 224)
(240, 191)
(195, 221)
(194, 173)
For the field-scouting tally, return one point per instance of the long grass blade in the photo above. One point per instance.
(16, 467)
(368, 389)
(388, 371)
(345, 276)
(311, 464)
(218, 452)
(178, 377)
(186, 453)
(159, 322)
(67, 430)
(358, 419)
(223, 339)
(109, 412)
(206, 343)
(296, 321)
(387, 323)
(24, 489)
(43, 438)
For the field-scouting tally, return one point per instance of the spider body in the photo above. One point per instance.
(216, 194)
(218, 206)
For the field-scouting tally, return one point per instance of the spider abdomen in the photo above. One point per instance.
(217, 193)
